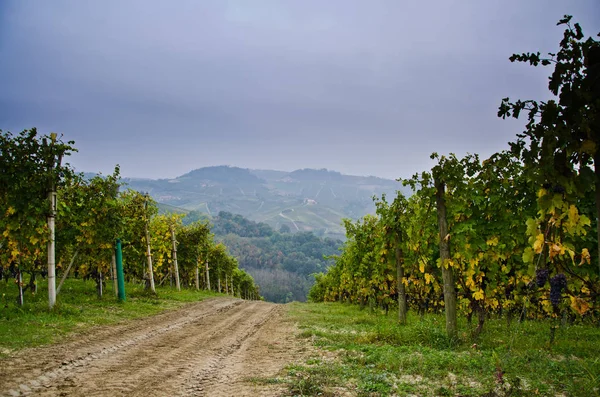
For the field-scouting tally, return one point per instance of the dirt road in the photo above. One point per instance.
(210, 348)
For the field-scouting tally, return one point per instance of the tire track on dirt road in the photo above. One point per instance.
(208, 348)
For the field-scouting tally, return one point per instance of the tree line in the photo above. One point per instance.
(283, 264)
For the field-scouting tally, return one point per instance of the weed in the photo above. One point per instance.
(378, 357)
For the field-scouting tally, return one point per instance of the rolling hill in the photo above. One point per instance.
(302, 200)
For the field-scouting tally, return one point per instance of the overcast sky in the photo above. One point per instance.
(361, 87)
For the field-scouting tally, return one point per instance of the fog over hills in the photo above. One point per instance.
(303, 200)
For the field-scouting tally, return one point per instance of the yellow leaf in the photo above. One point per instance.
(585, 256)
(538, 244)
(542, 193)
(10, 210)
(478, 295)
(579, 305)
(585, 290)
(573, 214)
(494, 303)
(492, 242)
(428, 278)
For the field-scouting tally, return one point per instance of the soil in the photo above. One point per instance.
(217, 347)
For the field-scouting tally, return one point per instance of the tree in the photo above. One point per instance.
(393, 217)
(561, 142)
(31, 170)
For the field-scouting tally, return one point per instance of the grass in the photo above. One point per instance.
(77, 309)
(369, 354)
(359, 352)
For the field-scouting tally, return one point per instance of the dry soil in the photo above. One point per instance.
(217, 347)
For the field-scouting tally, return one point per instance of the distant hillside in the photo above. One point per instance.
(302, 200)
(282, 264)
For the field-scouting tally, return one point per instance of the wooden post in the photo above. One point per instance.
(148, 252)
(114, 274)
(198, 274)
(100, 283)
(207, 274)
(66, 273)
(174, 241)
(20, 283)
(400, 288)
(447, 272)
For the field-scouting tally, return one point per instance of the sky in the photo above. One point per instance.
(360, 87)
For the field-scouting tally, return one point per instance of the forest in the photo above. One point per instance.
(282, 263)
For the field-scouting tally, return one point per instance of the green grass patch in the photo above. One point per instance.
(369, 354)
(77, 309)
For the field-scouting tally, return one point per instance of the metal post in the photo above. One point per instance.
(119, 264)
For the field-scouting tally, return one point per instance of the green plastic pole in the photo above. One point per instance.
(119, 264)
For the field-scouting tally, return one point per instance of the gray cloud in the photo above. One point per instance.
(361, 87)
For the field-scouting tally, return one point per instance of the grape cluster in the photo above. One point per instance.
(557, 283)
(541, 276)
(558, 189)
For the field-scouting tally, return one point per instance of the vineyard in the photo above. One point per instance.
(55, 223)
(492, 265)
(511, 235)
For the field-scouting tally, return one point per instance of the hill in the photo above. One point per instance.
(302, 200)
(282, 264)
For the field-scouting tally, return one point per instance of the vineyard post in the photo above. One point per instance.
(66, 272)
(51, 250)
(114, 274)
(100, 291)
(207, 274)
(447, 272)
(119, 270)
(51, 225)
(198, 274)
(399, 277)
(20, 284)
(148, 252)
(174, 241)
